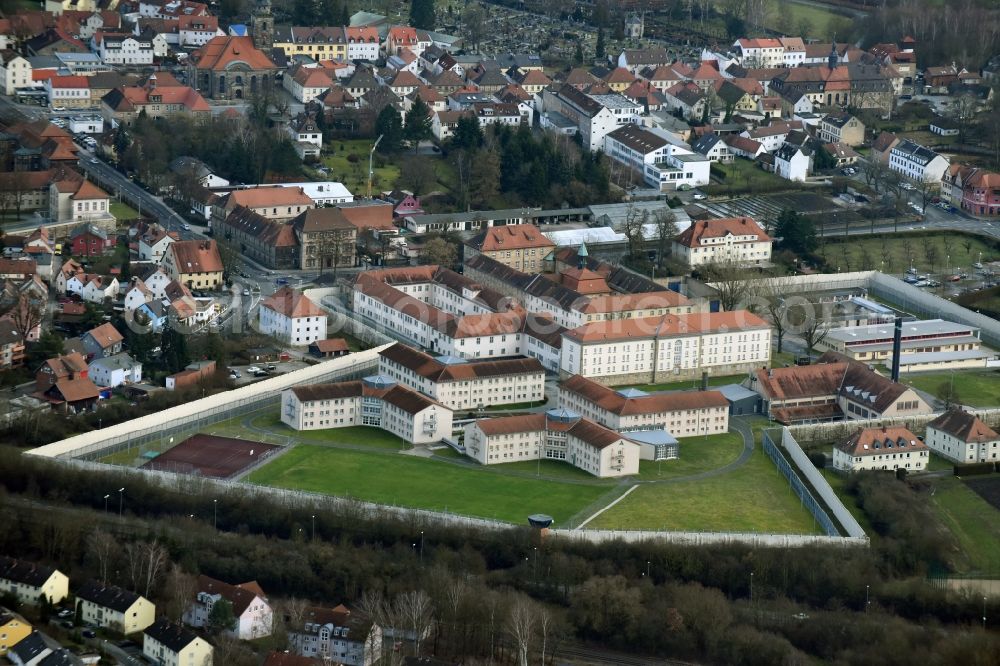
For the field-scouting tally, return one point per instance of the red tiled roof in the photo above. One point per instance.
(220, 52)
(656, 403)
(666, 326)
(196, 256)
(718, 228)
(292, 304)
(880, 441)
(510, 237)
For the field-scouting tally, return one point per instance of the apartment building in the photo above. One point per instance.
(558, 434)
(111, 607)
(375, 401)
(167, 644)
(684, 414)
(318, 43)
(29, 581)
(292, 317)
(917, 162)
(963, 437)
(593, 117)
(735, 240)
(520, 246)
(253, 613)
(463, 384)
(841, 128)
(338, 635)
(274, 203)
(652, 349)
(663, 164)
(885, 448)
(196, 264)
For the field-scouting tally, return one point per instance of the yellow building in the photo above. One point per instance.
(196, 264)
(13, 629)
(29, 581)
(329, 43)
(171, 644)
(114, 608)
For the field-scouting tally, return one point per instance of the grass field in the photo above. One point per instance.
(123, 211)
(975, 523)
(789, 17)
(930, 253)
(742, 177)
(755, 497)
(721, 380)
(354, 175)
(430, 484)
(697, 454)
(976, 388)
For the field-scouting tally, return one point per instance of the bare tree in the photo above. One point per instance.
(332, 248)
(546, 624)
(774, 293)
(103, 548)
(230, 651)
(25, 315)
(666, 231)
(808, 323)
(521, 627)
(293, 614)
(928, 188)
(180, 589)
(416, 610)
(146, 563)
(731, 280)
(632, 229)
(875, 172)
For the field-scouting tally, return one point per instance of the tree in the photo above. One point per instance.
(666, 231)
(731, 280)
(332, 247)
(25, 315)
(521, 627)
(875, 172)
(774, 294)
(484, 179)
(173, 350)
(803, 318)
(804, 27)
(180, 589)
(947, 393)
(417, 175)
(928, 188)
(468, 134)
(49, 345)
(416, 611)
(221, 618)
(823, 159)
(578, 54)
(635, 240)
(104, 548)
(418, 122)
(422, 14)
(304, 12)
(389, 126)
(474, 20)
(439, 252)
(797, 232)
(146, 563)
(600, 49)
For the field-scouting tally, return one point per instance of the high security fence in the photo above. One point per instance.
(198, 414)
(798, 487)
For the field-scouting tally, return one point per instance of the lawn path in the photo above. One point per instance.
(606, 507)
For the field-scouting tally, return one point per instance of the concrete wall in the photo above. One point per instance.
(204, 412)
(825, 433)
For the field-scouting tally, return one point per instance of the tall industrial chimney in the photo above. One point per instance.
(897, 344)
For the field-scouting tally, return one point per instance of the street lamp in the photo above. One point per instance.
(751, 588)
(647, 568)
(121, 500)
(867, 597)
(984, 612)
(314, 526)
(215, 512)
(421, 546)
(106, 503)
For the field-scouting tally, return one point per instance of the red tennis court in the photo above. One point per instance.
(208, 455)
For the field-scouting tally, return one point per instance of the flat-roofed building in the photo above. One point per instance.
(558, 434)
(886, 448)
(683, 414)
(963, 437)
(460, 383)
(376, 401)
(928, 344)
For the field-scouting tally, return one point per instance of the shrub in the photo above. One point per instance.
(353, 158)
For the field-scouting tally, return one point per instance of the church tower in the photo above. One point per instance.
(833, 59)
(262, 26)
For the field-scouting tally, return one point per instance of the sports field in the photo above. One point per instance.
(752, 498)
(426, 483)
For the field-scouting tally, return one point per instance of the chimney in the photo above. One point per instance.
(897, 338)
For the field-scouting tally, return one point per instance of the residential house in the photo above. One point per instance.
(66, 366)
(375, 401)
(793, 162)
(317, 43)
(981, 193)
(122, 48)
(962, 437)
(192, 169)
(194, 31)
(306, 83)
(760, 52)
(593, 115)
(713, 148)
(886, 448)
(153, 243)
(687, 99)
(111, 607)
(88, 240)
(167, 644)
(836, 388)
(735, 240)
(291, 317)
(741, 146)
(29, 581)
(11, 344)
(338, 634)
(195, 263)
(362, 43)
(306, 136)
(102, 342)
(520, 246)
(70, 92)
(841, 128)
(635, 60)
(116, 370)
(842, 154)
(160, 96)
(32, 650)
(465, 383)
(100, 289)
(253, 614)
(17, 269)
(557, 434)
(882, 146)
(138, 294)
(75, 199)
(13, 630)
(917, 162)
(15, 72)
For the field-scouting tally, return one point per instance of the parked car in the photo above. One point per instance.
(88, 633)
(911, 270)
(252, 369)
(64, 613)
(281, 281)
(954, 278)
(911, 279)
(234, 374)
(977, 265)
(698, 196)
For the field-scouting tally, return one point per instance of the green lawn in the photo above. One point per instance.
(744, 176)
(697, 454)
(929, 253)
(422, 483)
(838, 483)
(755, 497)
(514, 406)
(354, 174)
(550, 468)
(721, 380)
(977, 388)
(975, 523)
(788, 17)
(123, 212)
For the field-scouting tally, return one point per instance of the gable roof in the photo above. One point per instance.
(25, 572)
(428, 367)
(196, 256)
(510, 237)
(879, 441)
(105, 335)
(107, 596)
(240, 596)
(700, 230)
(965, 426)
(225, 50)
(174, 637)
(641, 403)
(292, 304)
